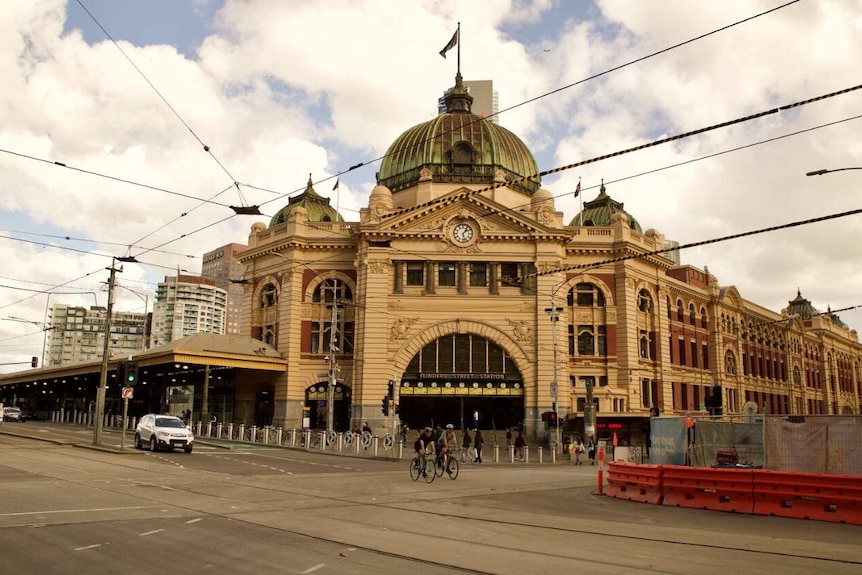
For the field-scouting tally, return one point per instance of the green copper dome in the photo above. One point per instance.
(599, 211)
(801, 307)
(316, 206)
(458, 147)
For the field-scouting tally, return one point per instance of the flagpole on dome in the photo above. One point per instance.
(458, 35)
(581, 199)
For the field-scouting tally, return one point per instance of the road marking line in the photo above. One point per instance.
(77, 510)
(193, 520)
(150, 532)
(88, 547)
(313, 569)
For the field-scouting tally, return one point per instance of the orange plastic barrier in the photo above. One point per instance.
(705, 488)
(836, 498)
(635, 482)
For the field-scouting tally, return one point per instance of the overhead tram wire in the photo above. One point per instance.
(554, 91)
(87, 240)
(678, 164)
(467, 194)
(110, 177)
(206, 148)
(49, 291)
(578, 267)
(360, 164)
(738, 148)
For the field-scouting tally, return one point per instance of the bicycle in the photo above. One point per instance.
(451, 468)
(416, 470)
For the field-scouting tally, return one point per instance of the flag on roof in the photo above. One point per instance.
(452, 43)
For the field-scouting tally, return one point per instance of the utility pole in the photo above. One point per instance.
(554, 312)
(103, 375)
(333, 348)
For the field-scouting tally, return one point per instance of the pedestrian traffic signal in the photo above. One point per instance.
(385, 405)
(121, 373)
(390, 390)
(131, 374)
(34, 361)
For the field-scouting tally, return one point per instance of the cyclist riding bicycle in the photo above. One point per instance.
(445, 444)
(424, 448)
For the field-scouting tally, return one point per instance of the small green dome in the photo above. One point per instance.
(316, 206)
(801, 307)
(459, 147)
(599, 211)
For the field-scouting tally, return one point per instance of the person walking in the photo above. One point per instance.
(579, 449)
(520, 445)
(478, 442)
(466, 441)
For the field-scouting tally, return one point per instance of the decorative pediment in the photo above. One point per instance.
(489, 220)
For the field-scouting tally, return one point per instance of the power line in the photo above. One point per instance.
(206, 148)
(557, 90)
(467, 194)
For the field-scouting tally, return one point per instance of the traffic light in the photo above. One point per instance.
(34, 361)
(131, 374)
(385, 405)
(121, 373)
(390, 390)
(552, 419)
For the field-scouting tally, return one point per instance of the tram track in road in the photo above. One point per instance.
(415, 513)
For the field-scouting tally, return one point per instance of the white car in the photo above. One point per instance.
(13, 414)
(163, 432)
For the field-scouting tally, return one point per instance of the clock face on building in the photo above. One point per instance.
(462, 233)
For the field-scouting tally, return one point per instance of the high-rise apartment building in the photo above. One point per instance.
(186, 305)
(485, 99)
(78, 334)
(221, 265)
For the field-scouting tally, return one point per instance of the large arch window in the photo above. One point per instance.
(586, 295)
(703, 318)
(680, 313)
(691, 314)
(321, 337)
(644, 301)
(462, 353)
(268, 296)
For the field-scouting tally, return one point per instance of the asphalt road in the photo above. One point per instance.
(65, 509)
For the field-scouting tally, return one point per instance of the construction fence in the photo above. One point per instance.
(827, 444)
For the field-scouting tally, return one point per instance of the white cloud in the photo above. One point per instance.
(281, 89)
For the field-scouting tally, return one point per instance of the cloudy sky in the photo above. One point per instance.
(278, 89)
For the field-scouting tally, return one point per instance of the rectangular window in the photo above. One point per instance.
(571, 339)
(682, 352)
(585, 298)
(694, 361)
(320, 336)
(603, 352)
(446, 274)
(586, 342)
(704, 350)
(462, 353)
(415, 273)
(646, 398)
(445, 357)
(478, 274)
(509, 275)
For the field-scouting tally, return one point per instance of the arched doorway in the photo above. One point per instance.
(457, 378)
(315, 411)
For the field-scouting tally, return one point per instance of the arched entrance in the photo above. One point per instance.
(315, 411)
(457, 378)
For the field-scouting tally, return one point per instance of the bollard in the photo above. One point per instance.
(340, 441)
(323, 441)
(374, 443)
(252, 436)
(306, 436)
(553, 454)
(230, 431)
(511, 454)
(293, 438)
(266, 435)
(540, 453)
(279, 435)
(400, 451)
(240, 432)
(356, 442)
(496, 453)
(601, 467)
(218, 429)
(526, 453)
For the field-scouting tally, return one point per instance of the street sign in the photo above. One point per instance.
(554, 389)
(127, 392)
